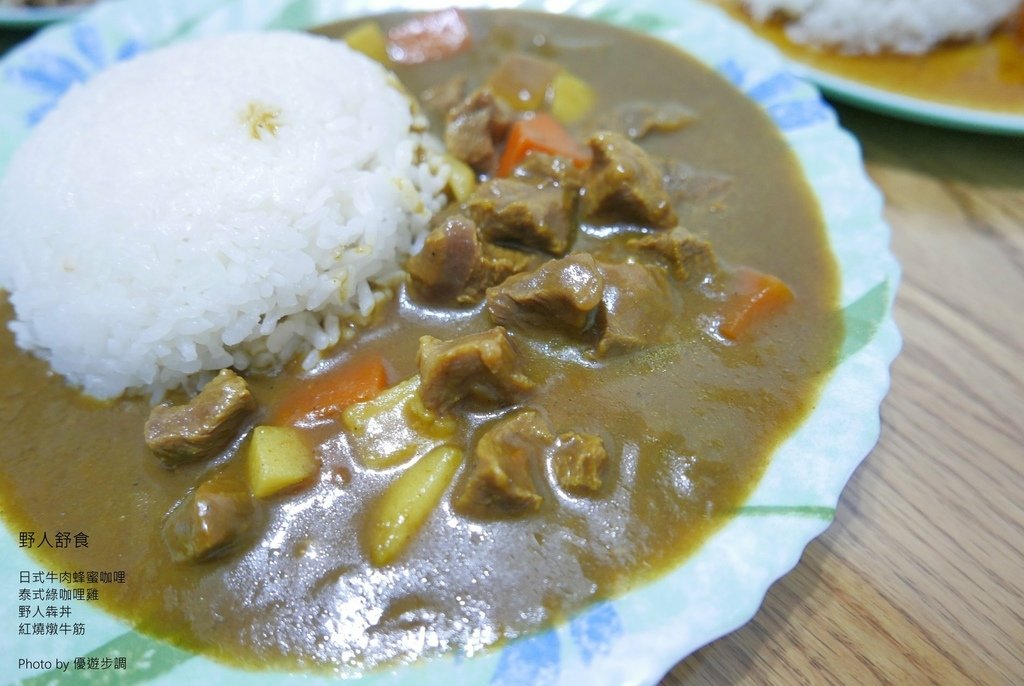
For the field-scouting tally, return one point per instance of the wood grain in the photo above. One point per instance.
(920, 579)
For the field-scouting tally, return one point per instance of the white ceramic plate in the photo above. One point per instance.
(634, 639)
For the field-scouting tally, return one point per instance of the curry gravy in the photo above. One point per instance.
(688, 426)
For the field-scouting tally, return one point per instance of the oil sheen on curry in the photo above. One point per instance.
(627, 304)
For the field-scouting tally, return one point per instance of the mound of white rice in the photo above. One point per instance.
(227, 202)
(873, 26)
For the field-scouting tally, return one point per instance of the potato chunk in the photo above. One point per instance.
(403, 508)
(278, 459)
(395, 427)
(571, 98)
(368, 38)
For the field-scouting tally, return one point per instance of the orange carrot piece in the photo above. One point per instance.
(541, 133)
(757, 297)
(326, 395)
(429, 37)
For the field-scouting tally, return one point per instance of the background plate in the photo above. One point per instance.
(36, 16)
(968, 86)
(914, 109)
(634, 639)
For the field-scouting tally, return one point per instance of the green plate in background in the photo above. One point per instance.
(29, 17)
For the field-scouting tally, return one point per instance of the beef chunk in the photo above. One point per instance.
(483, 367)
(685, 254)
(497, 264)
(636, 119)
(474, 126)
(202, 427)
(455, 266)
(212, 519)
(541, 169)
(634, 309)
(441, 270)
(623, 184)
(507, 210)
(559, 295)
(445, 96)
(577, 462)
(506, 458)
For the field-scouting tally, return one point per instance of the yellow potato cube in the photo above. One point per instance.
(368, 38)
(462, 180)
(571, 98)
(278, 459)
(394, 427)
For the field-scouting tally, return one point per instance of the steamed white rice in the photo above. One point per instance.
(873, 26)
(151, 230)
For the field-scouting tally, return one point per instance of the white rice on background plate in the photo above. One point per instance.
(873, 26)
(230, 201)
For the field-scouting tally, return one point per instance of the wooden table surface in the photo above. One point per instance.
(920, 579)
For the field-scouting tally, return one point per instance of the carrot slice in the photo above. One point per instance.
(541, 133)
(328, 394)
(757, 297)
(429, 37)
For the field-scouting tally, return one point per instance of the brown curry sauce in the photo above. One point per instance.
(688, 426)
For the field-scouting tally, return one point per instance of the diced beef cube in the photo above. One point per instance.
(686, 255)
(512, 211)
(446, 95)
(211, 520)
(577, 462)
(542, 169)
(635, 307)
(205, 425)
(636, 119)
(474, 126)
(483, 367)
(622, 184)
(455, 266)
(497, 263)
(441, 270)
(506, 459)
(560, 295)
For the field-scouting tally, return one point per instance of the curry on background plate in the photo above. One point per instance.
(984, 75)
